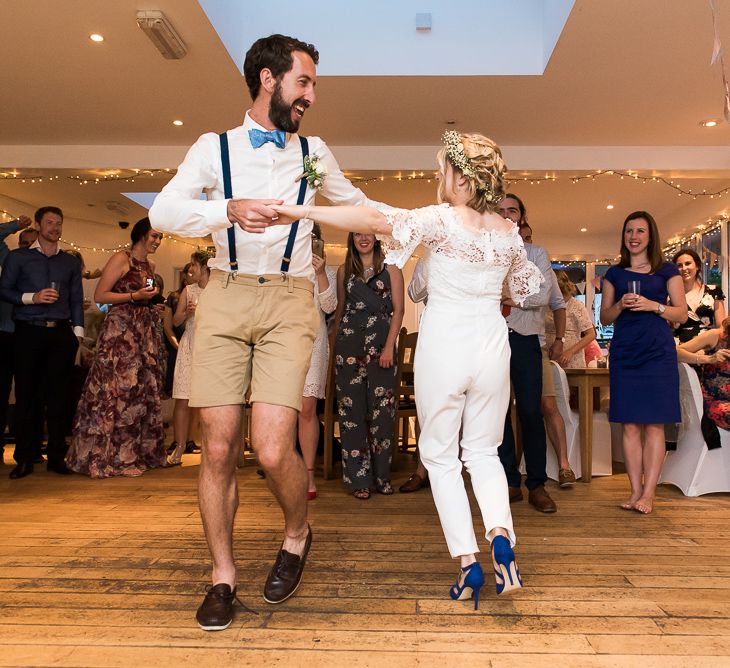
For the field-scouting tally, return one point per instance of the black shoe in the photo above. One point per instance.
(21, 470)
(39, 460)
(216, 611)
(192, 448)
(58, 467)
(285, 576)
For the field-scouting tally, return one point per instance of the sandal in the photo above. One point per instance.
(361, 494)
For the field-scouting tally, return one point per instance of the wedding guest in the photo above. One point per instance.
(532, 381)
(713, 369)
(644, 382)
(418, 292)
(7, 327)
(183, 416)
(118, 424)
(256, 319)
(462, 372)
(369, 316)
(579, 330)
(27, 237)
(705, 303)
(44, 284)
(325, 299)
(173, 334)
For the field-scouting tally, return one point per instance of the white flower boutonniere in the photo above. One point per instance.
(314, 171)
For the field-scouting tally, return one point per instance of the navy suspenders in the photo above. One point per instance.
(228, 194)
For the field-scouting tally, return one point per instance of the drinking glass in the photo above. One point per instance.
(55, 286)
(635, 287)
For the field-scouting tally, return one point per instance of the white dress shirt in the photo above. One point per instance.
(267, 172)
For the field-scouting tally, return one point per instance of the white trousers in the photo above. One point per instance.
(462, 381)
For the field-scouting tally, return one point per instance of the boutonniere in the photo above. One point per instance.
(314, 171)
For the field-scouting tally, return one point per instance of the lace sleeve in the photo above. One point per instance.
(524, 278)
(412, 227)
(327, 300)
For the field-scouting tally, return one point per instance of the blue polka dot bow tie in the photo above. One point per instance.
(259, 137)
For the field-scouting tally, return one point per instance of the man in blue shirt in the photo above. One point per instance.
(44, 284)
(7, 327)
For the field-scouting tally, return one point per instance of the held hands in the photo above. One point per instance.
(288, 213)
(45, 296)
(144, 294)
(721, 355)
(253, 215)
(556, 351)
(638, 303)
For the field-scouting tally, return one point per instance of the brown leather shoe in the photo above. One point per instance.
(540, 499)
(414, 483)
(216, 611)
(515, 494)
(286, 574)
(566, 477)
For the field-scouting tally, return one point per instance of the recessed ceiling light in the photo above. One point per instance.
(609, 206)
(96, 37)
(711, 123)
(583, 229)
(177, 122)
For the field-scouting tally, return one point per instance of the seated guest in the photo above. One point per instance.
(713, 369)
(705, 303)
(118, 425)
(44, 284)
(579, 330)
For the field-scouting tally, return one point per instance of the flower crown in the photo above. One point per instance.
(455, 153)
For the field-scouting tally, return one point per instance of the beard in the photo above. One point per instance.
(280, 112)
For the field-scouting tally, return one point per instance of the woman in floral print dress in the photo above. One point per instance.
(369, 316)
(118, 425)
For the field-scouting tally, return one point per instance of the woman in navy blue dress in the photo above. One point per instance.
(642, 295)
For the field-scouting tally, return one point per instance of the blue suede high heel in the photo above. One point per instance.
(473, 581)
(505, 567)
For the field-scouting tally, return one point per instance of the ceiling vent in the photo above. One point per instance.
(160, 31)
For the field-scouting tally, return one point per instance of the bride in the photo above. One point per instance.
(462, 358)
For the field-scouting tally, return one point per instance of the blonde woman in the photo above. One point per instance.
(579, 330)
(462, 360)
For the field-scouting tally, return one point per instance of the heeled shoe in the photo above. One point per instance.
(311, 493)
(175, 459)
(473, 582)
(505, 566)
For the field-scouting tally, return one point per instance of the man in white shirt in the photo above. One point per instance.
(525, 324)
(256, 319)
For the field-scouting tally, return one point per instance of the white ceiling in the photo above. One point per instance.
(626, 88)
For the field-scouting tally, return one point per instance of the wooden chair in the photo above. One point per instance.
(405, 394)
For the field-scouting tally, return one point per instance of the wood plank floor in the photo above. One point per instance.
(109, 573)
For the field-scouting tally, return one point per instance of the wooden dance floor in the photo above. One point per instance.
(109, 573)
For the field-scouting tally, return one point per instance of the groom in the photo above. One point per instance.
(256, 320)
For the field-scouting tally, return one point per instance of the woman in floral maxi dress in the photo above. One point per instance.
(118, 424)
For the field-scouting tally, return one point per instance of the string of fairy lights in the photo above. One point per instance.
(130, 176)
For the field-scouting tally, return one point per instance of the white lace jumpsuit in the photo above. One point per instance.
(462, 361)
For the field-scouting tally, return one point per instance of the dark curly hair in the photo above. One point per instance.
(273, 53)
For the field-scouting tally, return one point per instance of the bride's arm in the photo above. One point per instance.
(360, 219)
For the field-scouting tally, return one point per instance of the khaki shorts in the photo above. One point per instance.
(548, 385)
(257, 330)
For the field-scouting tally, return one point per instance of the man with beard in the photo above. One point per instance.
(255, 321)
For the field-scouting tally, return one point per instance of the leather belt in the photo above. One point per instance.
(44, 323)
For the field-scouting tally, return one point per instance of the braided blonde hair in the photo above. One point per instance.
(480, 162)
